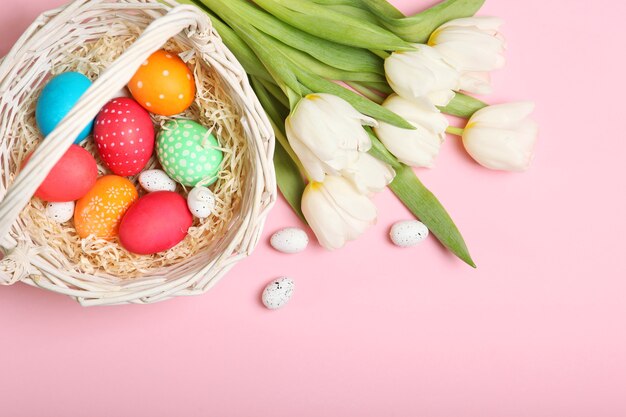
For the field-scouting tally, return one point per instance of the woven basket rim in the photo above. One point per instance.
(30, 264)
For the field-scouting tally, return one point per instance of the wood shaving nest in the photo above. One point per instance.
(212, 108)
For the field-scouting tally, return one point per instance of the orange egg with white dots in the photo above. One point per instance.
(163, 84)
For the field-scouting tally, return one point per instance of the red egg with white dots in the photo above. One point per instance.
(124, 135)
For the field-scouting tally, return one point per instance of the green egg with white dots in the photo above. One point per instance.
(189, 153)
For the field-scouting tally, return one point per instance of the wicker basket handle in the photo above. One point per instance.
(54, 146)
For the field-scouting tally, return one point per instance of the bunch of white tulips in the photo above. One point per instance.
(356, 92)
(460, 55)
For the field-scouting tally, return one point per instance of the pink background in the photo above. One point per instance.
(537, 330)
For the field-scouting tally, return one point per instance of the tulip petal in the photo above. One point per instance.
(503, 114)
(369, 174)
(328, 128)
(353, 205)
(471, 44)
(422, 73)
(336, 211)
(339, 106)
(476, 83)
(322, 217)
(311, 163)
(481, 22)
(417, 147)
(502, 136)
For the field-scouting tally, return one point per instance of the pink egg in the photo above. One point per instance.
(156, 222)
(124, 135)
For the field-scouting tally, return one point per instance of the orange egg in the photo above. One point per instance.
(163, 84)
(100, 211)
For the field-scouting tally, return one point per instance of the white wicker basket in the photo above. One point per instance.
(24, 69)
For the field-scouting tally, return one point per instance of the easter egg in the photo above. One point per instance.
(70, 178)
(99, 212)
(189, 153)
(124, 135)
(60, 212)
(156, 180)
(201, 202)
(57, 99)
(277, 293)
(163, 84)
(156, 222)
(290, 240)
(408, 233)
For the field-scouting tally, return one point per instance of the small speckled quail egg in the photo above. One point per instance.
(277, 293)
(290, 240)
(408, 233)
(201, 202)
(156, 180)
(60, 212)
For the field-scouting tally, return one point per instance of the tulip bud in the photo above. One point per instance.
(502, 136)
(473, 46)
(421, 73)
(326, 133)
(418, 147)
(336, 211)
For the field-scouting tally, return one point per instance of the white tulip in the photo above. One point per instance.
(418, 147)
(474, 46)
(502, 136)
(422, 73)
(336, 211)
(326, 133)
(368, 174)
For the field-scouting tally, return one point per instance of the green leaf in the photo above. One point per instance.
(463, 106)
(422, 203)
(418, 28)
(357, 101)
(277, 93)
(379, 151)
(308, 63)
(289, 180)
(382, 87)
(333, 26)
(382, 8)
(425, 206)
(279, 68)
(235, 44)
(361, 14)
(339, 56)
(288, 173)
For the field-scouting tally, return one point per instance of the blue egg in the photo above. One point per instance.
(57, 99)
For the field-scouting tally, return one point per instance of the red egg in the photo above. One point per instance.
(156, 222)
(124, 135)
(71, 178)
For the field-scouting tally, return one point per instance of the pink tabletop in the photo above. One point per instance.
(537, 330)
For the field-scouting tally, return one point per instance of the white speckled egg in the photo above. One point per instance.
(408, 233)
(60, 212)
(201, 202)
(156, 180)
(290, 240)
(277, 293)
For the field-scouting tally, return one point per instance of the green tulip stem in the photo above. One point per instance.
(457, 131)
(382, 54)
(366, 92)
